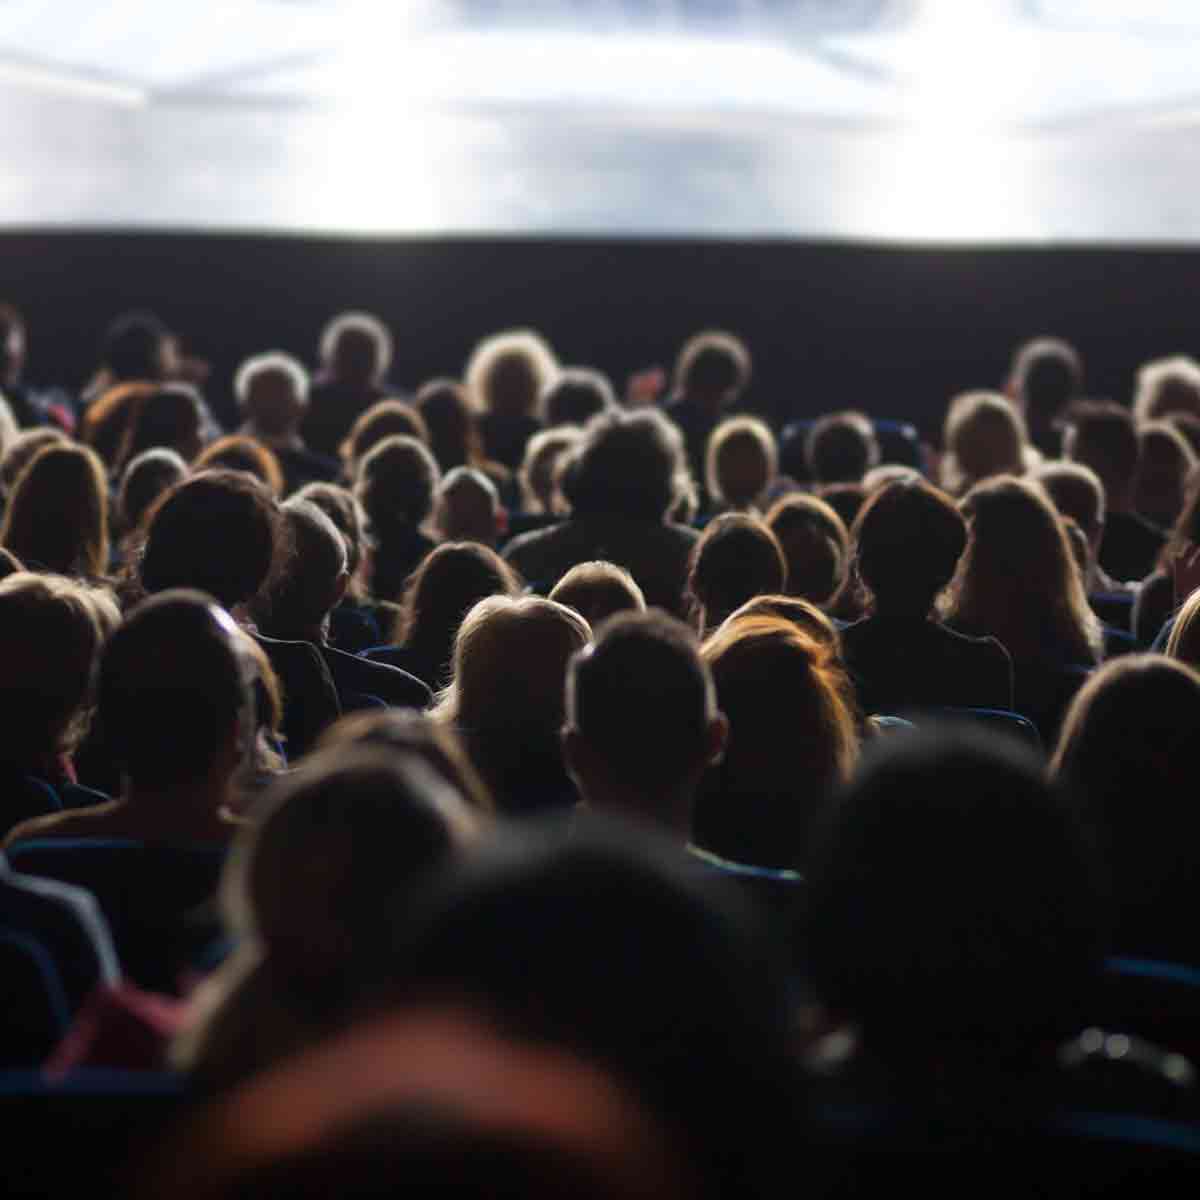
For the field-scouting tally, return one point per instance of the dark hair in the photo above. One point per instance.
(1103, 437)
(305, 589)
(397, 480)
(236, 452)
(1076, 491)
(146, 478)
(736, 559)
(844, 498)
(21, 451)
(132, 346)
(626, 465)
(641, 697)
(908, 539)
(1047, 374)
(840, 447)
(712, 361)
(341, 506)
(173, 684)
(384, 418)
(219, 532)
(815, 543)
(450, 419)
(968, 892)
(576, 395)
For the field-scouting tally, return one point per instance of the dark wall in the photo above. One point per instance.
(892, 330)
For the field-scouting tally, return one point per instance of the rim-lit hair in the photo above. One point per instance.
(271, 362)
(597, 590)
(1184, 642)
(737, 558)
(542, 467)
(384, 418)
(1045, 376)
(509, 372)
(815, 543)
(1165, 386)
(802, 613)
(397, 481)
(237, 452)
(713, 361)
(57, 515)
(741, 462)
(575, 395)
(1076, 491)
(361, 327)
(983, 436)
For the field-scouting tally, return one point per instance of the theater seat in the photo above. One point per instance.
(998, 720)
(34, 1013)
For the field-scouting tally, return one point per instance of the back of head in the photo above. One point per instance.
(815, 544)
(19, 453)
(146, 478)
(742, 461)
(543, 465)
(236, 452)
(447, 414)
(713, 363)
(841, 447)
(984, 436)
(508, 373)
(383, 419)
(1046, 376)
(218, 532)
(50, 636)
(175, 691)
(134, 346)
(1165, 386)
(804, 614)
(576, 395)
(356, 349)
(597, 590)
(1076, 492)
(953, 900)
(642, 702)
(396, 483)
(57, 516)
(169, 415)
(1166, 461)
(736, 559)
(272, 390)
(626, 466)
(468, 506)
(908, 539)
(311, 578)
(1102, 436)
(341, 506)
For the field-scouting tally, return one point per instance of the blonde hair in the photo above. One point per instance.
(1165, 386)
(983, 436)
(540, 476)
(365, 326)
(1184, 642)
(1018, 580)
(57, 515)
(509, 372)
(596, 590)
(741, 462)
(272, 362)
(802, 613)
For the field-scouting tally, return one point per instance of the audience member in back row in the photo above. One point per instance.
(816, 547)
(575, 395)
(297, 604)
(1077, 492)
(506, 698)
(221, 532)
(983, 436)
(792, 738)
(621, 484)
(736, 559)
(742, 464)
(908, 541)
(383, 419)
(505, 379)
(1165, 461)
(840, 447)
(28, 406)
(1045, 379)
(356, 354)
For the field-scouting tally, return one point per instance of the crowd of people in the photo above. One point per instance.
(529, 779)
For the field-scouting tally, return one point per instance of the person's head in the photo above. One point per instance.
(1183, 644)
(625, 465)
(742, 462)
(137, 345)
(18, 454)
(736, 558)
(356, 349)
(129, 418)
(1076, 491)
(908, 540)
(508, 373)
(641, 720)
(542, 466)
(447, 413)
(816, 546)
(272, 392)
(597, 590)
(575, 395)
(57, 515)
(341, 506)
(877, 478)
(406, 730)
(219, 532)
(983, 436)
(792, 737)
(312, 579)
(468, 507)
(13, 345)
(1166, 461)
(450, 581)
(50, 637)
(712, 365)
(1018, 580)
(396, 483)
(804, 614)
(1045, 377)
(383, 419)
(1102, 435)
(146, 478)
(844, 498)
(175, 695)
(1165, 386)
(1126, 749)
(952, 907)
(236, 452)
(841, 447)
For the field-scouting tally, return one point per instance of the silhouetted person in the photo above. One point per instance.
(736, 559)
(742, 464)
(506, 378)
(1045, 378)
(597, 590)
(575, 395)
(983, 436)
(840, 447)
(815, 544)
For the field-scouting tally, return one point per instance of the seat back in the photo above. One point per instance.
(34, 1013)
(998, 720)
(1157, 1000)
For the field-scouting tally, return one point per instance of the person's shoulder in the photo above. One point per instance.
(399, 682)
(534, 539)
